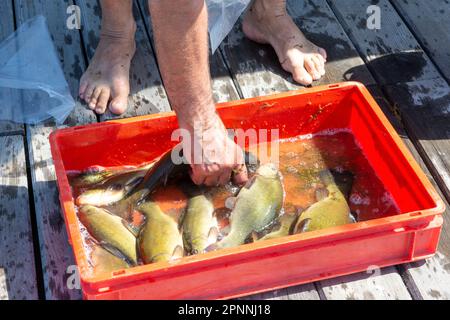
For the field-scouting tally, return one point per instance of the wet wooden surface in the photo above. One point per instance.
(403, 64)
(17, 267)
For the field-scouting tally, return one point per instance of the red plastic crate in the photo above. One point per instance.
(409, 236)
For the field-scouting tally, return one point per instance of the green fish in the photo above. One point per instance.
(105, 262)
(159, 238)
(99, 176)
(100, 197)
(199, 224)
(287, 222)
(91, 177)
(257, 205)
(112, 189)
(112, 232)
(332, 208)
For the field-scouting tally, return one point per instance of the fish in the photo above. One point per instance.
(105, 262)
(100, 197)
(112, 190)
(110, 231)
(159, 239)
(91, 176)
(157, 175)
(256, 206)
(99, 176)
(199, 225)
(332, 208)
(287, 223)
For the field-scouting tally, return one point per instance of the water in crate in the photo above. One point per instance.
(320, 181)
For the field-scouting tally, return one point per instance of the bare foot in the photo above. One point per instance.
(106, 82)
(267, 21)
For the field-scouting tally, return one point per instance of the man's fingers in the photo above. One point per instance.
(197, 176)
(212, 181)
(240, 174)
(225, 177)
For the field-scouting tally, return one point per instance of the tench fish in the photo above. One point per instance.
(287, 223)
(105, 262)
(110, 231)
(199, 224)
(91, 177)
(100, 197)
(159, 238)
(157, 175)
(257, 205)
(332, 208)
(99, 176)
(112, 189)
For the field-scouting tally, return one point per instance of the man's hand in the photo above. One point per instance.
(214, 156)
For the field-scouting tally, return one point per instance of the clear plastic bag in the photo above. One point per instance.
(222, 15)
(32, 84)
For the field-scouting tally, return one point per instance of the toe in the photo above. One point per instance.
(319, 62)
(102, 102)
(94, 98)
(118, 105)
(301, 76)
(88, 93)
(323, 53)
(83, 86)
(310, 67)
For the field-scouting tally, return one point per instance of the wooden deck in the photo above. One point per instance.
(405, 64)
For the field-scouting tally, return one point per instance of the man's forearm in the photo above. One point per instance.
(181, 38)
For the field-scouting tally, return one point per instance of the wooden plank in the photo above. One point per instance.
(3, 287)
(429, 22)
(147, 93)
(18, 276)
(375, 284)
(56, 254)
(431, 277)
(391, 52)
(222, 83)
(6, 28)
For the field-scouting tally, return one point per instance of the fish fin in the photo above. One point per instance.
(303, 226)
(353, 216)
(133, 229)
(134, 182)
(116, 252)
(249, 183)
(212, 247)
(178, 252)
(254, 236)
(321, 193)
(251, 161)
(225, 231)
(212, 235)
(115, 187)
(230, 202)
(326, 177)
